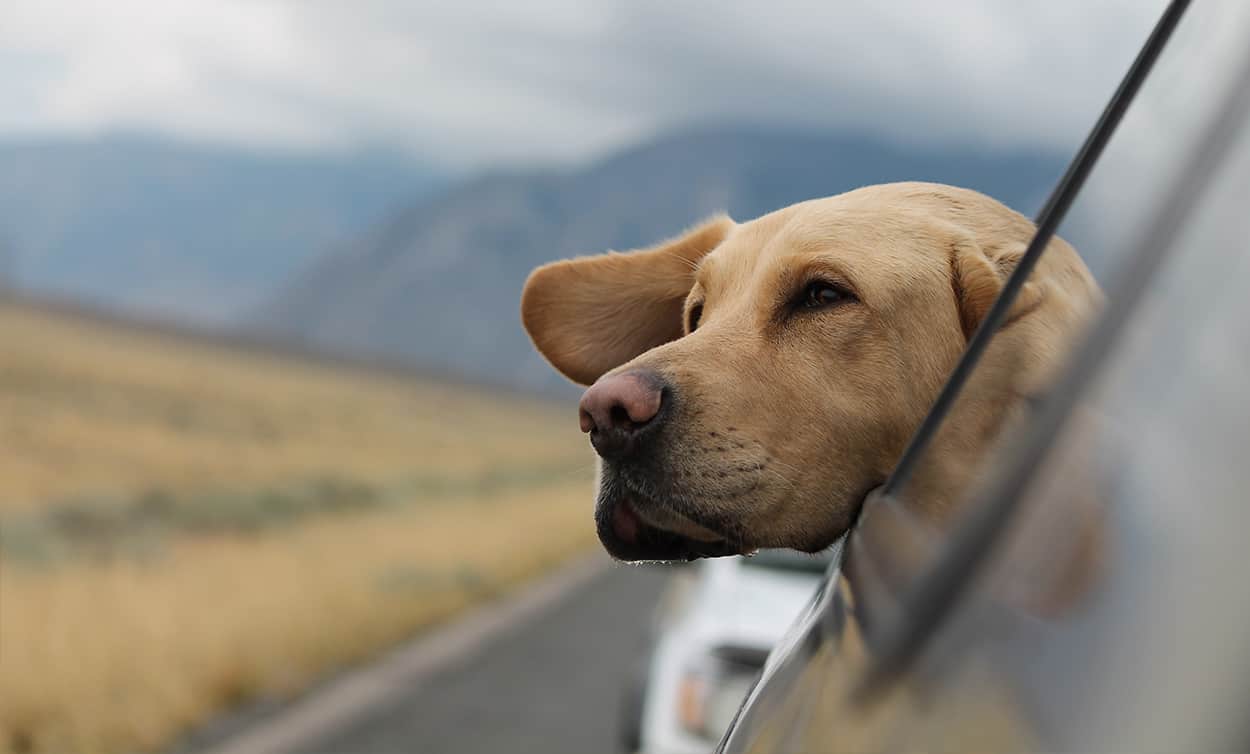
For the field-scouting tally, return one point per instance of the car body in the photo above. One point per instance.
(714, 627)
(1091, 595)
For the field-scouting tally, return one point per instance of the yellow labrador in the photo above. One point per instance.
(753, 381)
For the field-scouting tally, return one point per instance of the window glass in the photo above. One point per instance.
(1156, 135)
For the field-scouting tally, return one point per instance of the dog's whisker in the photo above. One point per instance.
(693, 266)
(784, 465)
(572, 472)
(782, 478)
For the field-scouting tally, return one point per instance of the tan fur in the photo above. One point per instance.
(783, 419)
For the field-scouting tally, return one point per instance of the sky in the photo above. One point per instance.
(486, 82)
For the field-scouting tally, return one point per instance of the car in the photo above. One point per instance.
(1090, 595)
(715, 625)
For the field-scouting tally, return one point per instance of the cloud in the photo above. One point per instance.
(483, 81)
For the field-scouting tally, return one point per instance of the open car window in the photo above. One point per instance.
(997, 366)
(1110, 613)
(1156, 144)
(1145, 488)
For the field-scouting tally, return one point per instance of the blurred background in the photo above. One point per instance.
(266, 408)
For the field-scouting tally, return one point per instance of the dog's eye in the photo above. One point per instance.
(820, 294)
(696, 312)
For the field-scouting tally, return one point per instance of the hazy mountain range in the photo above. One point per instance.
(377, 256)
(195, 233)
(439, 282)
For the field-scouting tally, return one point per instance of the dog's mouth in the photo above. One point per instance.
(627, 535)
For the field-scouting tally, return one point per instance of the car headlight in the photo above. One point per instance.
(713, 687)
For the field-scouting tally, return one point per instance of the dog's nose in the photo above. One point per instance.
(616, 408)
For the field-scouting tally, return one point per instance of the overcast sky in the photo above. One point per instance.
(474, 83)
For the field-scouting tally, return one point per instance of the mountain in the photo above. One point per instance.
(438, 283)
(180, 231)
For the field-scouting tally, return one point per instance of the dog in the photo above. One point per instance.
(750, 383)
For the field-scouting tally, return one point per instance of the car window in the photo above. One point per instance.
(1115, 613)
(1102, 592)
(1122, 191)
(1176, 168)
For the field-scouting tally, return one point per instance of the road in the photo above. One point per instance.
(548, 677)
(551, 684)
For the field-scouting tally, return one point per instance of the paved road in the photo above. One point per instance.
(551, 683)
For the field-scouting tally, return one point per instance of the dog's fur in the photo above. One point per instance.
(780, 418)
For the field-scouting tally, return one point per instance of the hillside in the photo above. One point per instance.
(438, 283)
(181, 231)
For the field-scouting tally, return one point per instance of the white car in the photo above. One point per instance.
(714, 628)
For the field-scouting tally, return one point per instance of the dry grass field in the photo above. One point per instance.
(184, 525)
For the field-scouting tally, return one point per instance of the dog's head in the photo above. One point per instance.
(752, 382)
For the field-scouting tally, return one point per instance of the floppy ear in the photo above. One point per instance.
(977, 276)
(591, 314)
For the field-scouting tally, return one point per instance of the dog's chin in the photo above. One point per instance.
(626, 535)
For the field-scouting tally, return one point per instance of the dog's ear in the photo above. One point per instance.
(977, 276)
(591, 314)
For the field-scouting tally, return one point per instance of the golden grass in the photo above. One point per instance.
(88, 408)
(109, 651)
(124, 655)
